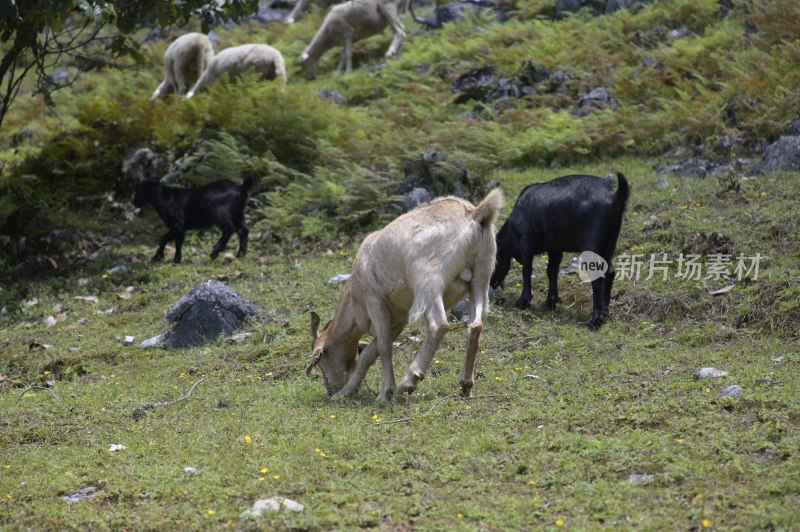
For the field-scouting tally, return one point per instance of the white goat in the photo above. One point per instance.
(353, 21)
(184, 62)
(414, 269)
(235, 60)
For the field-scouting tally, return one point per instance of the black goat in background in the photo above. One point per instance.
(220, 203)
(572, 213)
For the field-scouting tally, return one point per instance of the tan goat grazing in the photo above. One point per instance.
(352, 21)
(414, 269)
(235, 60)
(184, 62)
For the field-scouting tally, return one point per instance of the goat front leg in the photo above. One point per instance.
(365, 361)
(168, 236)
(390, 12)
(348, 54)
(437, 327)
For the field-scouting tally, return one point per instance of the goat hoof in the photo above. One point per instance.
(521, 304)
(385, 396)
(406, 388)
(594, 323)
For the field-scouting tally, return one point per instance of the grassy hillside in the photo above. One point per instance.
(563, 419)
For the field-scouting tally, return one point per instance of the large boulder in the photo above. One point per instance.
(143, 165)
(208, 310)
(783, 154)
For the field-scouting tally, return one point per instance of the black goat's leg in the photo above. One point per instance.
(169, 235)
(243, 233)
(227, 232)
(612, 273)
(553, 265)
(598, 296)
(527, 271)
(178, 246)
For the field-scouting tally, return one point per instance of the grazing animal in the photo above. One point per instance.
(352, 21)
(220, 204)
(184, 62)
(262, 58)
(414, 269)
(571, 213)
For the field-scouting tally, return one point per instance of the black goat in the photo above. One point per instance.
(220, 203)
(571, 213)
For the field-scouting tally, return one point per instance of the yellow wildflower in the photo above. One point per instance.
(248, 440)
(706, 523)
(559, 522)
(460, 515)
(212, 512)
(264, 470)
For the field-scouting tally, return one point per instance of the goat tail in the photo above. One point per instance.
(486, 212)
(622, 194)
(246, 185)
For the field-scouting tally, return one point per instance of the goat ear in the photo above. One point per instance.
(361, 347)
(315, 320)
(314, 361)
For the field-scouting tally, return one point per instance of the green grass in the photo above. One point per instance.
(537, 452)
(524, 453)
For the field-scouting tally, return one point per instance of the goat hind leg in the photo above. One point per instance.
(169, 235)
(437, 327)
(227, 232)
(553, 265)
(243, 233)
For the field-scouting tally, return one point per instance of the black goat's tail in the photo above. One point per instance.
(246, 185)
(622, 194)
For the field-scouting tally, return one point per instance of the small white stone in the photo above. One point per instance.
(128, 340)
(116, 447)
(190, 470)
(705, 373)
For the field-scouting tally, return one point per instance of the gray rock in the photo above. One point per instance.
(272, 504)
(119, 268)
(418, 196)
(705, 373)
(61, 76)
(339, 278)
(661, 183)
(784, 154)
(692, 167)
(333, 95)
(150, 342)
(730, 391)
(190, 470)
(679, 33)
(144, 165)
(79, 494)
(640, 478)
(596, 99)
(461, 309)
(208, 310)
(595, 7)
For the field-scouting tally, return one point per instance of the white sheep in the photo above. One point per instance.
(184, 62)
(235, 60)
(414, 269)
(352, 21)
